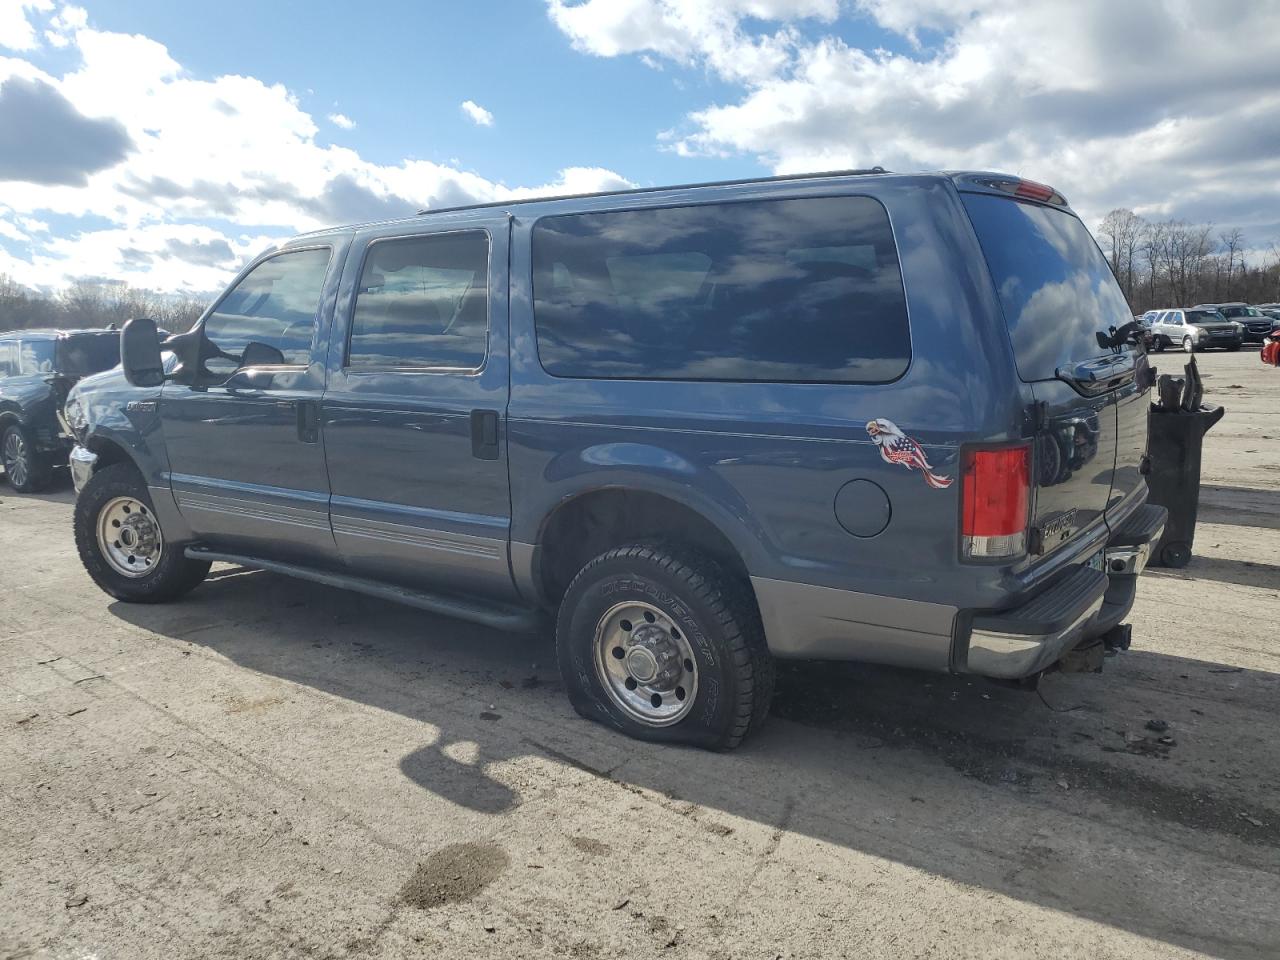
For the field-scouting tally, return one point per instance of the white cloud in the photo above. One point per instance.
(342, 120)
(16, 30)
(1128, 103)
(477, 113)
(200, 154)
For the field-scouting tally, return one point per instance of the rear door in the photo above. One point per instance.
(415, 410)
(1060, 302)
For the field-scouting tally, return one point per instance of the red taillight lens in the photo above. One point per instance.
(995, 488)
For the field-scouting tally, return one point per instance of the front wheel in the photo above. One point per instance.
(1158, 345)
(121, 544)
(1188, 345)
(663, 644)
(28, 471)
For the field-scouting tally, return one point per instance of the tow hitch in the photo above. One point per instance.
(1089, 655)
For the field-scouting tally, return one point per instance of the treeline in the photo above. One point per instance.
(92, 303)
(1172, 263)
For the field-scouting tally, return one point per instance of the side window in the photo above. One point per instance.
(1176, 318)
(423, 302)
(36, 357)
(8, 358)
(276, 304)
(803, 290)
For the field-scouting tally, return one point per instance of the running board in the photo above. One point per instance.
(496, 615)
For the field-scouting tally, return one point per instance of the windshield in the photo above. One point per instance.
(90, 353)
(1205, 316)
(1235, 311)
(1056, 288)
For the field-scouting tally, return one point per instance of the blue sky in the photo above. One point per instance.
(190, 136)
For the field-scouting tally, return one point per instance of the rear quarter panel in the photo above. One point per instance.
(765, 461)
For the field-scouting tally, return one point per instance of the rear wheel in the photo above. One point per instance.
(28, 470)
(1188, 345)
(1159, 344)
(663, 644)
(122, 545)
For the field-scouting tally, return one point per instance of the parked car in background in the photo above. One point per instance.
(588, 405)
(37, 369)
(1195, 328)
(1257, 324)
(1272, 310)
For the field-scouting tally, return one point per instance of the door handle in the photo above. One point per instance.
(308, 420)
(484, 434)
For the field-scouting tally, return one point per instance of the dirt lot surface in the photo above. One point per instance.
(274, 769)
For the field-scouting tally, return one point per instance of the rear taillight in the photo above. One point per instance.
(995, 490)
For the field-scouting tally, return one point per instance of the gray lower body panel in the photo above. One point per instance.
(803, 621)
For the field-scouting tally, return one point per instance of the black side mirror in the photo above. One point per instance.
(257, 354)
(140, 353)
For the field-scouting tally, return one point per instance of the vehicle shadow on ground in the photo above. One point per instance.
(1246, 573)
(60, 489)
(1240, 506)
(1054, 800)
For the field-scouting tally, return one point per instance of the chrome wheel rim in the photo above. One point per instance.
(1187, 345)
(129, 537)
(15, 458)
(645, 663)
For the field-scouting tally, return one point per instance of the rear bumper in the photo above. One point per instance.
(1081, 605)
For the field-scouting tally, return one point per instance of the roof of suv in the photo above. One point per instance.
(968, 179)
(51, 334)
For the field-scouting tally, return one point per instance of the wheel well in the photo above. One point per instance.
(590, 524)
(109, 453)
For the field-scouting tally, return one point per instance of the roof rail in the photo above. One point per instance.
(677, 186)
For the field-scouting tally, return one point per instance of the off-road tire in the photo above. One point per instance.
(719, 617)
(39, 468)
(173, 576)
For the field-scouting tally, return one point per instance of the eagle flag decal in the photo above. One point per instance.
(896, 447)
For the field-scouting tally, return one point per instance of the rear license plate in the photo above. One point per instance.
(1095, 562)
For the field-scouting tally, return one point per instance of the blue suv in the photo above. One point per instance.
(854, 416)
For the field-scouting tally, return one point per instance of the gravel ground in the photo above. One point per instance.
(274, 769)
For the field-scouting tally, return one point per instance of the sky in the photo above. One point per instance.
(165, 143)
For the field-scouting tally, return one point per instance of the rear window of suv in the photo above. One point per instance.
(1056, 288)
(797, 290)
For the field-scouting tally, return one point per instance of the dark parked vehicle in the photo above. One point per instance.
(1257, 325)
(37, 368)
(1272, 312)
(1195, 329)
(852, 416)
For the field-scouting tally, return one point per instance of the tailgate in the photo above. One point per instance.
(1061, 304)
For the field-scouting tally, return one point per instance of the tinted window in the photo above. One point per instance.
(8, 358)
(785, 290)
(89, 353)
(423, 303)
(1230, 312)
(276, 304)
(1057, 290)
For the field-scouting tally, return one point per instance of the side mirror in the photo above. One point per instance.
(140, 353)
